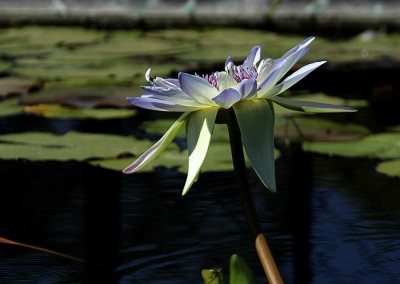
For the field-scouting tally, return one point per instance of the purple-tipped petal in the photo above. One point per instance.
(198, 88)
(294, 78)
(252, 58)
(247, 88)
(298, 47)
(227, 98)
(305, 106)
(174, 95)
(152, 103)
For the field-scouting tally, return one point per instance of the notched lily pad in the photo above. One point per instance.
(384, 145)
(390, 168)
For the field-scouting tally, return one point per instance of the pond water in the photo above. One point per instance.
(333, 220)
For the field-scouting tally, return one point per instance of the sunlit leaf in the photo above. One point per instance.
(71, 146)
(57, 111)
(390, 168)
(383, 145)
(313, 128)
(10, 107)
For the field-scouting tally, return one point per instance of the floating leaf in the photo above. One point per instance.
(14, 86)
(390, 168)
(312, 128)
(57, 111)
(71, 146)
(384, 145)
(10, 107)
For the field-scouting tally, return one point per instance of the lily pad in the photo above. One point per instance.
(71, 146)
(384, 145)
(390, 168)
(313, 128)
(4, 66)
(58, 111)
(10, 107)
(15, 86)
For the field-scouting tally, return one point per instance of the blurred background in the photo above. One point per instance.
(67, 131)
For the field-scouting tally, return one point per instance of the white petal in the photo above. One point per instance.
(198, 88)
(268, 67)
(225, 81)
(229, 61)
(256, 122)
(294, 78)
(199, 129)
(157, 148)
(148, 77)
(227, 98)
(268, 83)
(305, 106)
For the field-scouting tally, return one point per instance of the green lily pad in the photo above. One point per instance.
(390, 168)
(4, 66)
(71, 146)
(58, 111)
(384, 145)
(10, 107)
(314, 128)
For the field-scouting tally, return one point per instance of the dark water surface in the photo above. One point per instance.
(333, 220)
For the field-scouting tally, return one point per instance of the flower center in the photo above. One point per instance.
(239, 73)
(212, 79)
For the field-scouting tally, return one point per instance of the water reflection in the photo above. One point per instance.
(332, 221)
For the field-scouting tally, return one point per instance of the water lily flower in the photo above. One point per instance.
(250, 89)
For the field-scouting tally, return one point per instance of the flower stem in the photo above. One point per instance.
(239, 166)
